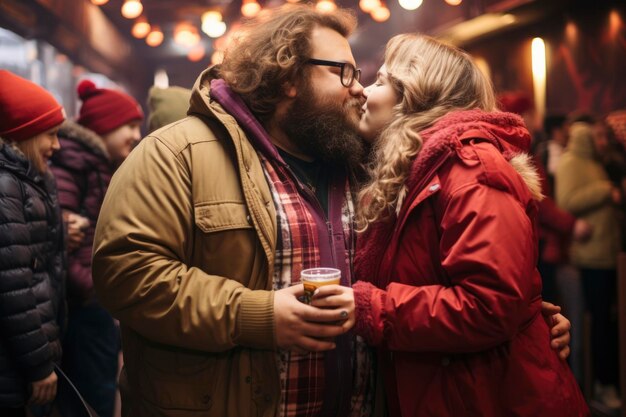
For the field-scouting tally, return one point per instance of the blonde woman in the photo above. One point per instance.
(449, 291)
(32, 294)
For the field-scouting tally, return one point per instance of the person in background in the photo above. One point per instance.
(584, 189)
(32, 266)
(614, 161)
(91, 149)
(549, 151)
(167, 105)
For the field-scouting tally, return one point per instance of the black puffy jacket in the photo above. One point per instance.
(32, 269)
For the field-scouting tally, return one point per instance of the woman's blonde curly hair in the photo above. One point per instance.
(432, 79)
(272, 50)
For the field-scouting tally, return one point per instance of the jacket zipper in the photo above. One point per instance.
(312, 198)
(403, 215)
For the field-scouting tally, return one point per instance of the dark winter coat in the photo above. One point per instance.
(455, 303)
(83, 172)
(31, 276)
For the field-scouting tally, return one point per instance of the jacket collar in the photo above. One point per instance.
(234, 105)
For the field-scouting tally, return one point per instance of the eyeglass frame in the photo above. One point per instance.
(356, 73)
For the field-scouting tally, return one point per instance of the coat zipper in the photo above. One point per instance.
(403, 215)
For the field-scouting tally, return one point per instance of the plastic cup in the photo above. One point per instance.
(314, 278)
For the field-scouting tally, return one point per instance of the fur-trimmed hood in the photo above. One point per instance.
(81, 149)
(86, 137)
(506, 131)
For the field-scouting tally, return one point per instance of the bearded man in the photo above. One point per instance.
(211, 219)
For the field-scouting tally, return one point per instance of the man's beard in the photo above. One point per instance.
(325, 130)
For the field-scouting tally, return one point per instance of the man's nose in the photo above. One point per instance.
(356, 89)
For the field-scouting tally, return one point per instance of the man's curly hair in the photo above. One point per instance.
(271, 51)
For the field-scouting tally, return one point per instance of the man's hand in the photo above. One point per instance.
(559, 328)
(45, 390)
(303, 327)
(338, 298)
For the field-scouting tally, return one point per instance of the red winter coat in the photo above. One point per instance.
(453, 299)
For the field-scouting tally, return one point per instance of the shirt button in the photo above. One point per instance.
(445, 361)
(206, 399)
(248, 379)
(268, 398)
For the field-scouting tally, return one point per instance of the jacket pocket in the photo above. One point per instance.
(177, 379)
(222, 215)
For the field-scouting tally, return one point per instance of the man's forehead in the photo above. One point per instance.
(330, 45)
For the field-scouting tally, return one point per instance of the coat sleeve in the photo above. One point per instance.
(20, 323)
(80, 282)
(68, 188)
(487, 252)
(551, 217)
(145, 228)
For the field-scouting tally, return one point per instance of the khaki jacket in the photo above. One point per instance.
(583, 188)
(183, 257)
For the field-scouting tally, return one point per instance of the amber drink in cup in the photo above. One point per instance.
(314, 278)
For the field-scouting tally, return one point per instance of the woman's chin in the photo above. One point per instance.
(366, 134)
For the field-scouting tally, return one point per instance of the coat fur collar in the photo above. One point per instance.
(87, 137)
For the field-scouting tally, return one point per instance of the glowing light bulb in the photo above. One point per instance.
(155, 37)
(326, 6)
(368, 5)
(410, 4)
(132, 9)
(250, 8)
(381, 14)
(186, 34)
(214, 29)
(141, 28)
(212, 16)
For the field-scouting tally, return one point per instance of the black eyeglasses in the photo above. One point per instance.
(349, 73)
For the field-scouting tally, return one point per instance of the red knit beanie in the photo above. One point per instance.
(104, 110)
(516, 102)
(26, 109)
